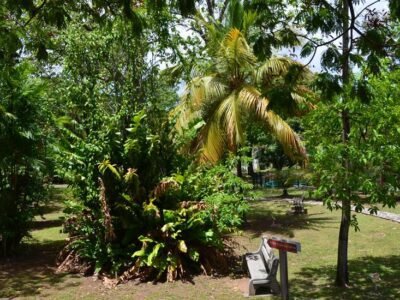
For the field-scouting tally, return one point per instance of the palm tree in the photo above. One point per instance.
(233, 92)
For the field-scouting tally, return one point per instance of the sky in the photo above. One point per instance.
(380, 5)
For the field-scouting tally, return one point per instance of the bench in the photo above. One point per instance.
(298, 206)
(262, 267)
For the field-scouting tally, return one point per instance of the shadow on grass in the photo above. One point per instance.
(277, 220)
(31, 271)
(52, 207)
(306, 286)
(43, 224)
(56, 197)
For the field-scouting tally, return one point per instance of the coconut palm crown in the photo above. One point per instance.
(233, 93)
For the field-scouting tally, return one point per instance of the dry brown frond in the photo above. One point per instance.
(109, 234)
(164, 186)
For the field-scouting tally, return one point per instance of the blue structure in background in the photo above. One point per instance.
(271, 184)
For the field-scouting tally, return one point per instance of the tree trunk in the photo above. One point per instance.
(250, 169)
(239, 168)
(342, 273)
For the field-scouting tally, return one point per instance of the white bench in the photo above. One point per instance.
(262, 267)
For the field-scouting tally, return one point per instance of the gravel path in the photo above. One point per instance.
(380, 214)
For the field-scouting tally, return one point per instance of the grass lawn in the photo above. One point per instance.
(262, 193)
(394, 210)
(376, 249)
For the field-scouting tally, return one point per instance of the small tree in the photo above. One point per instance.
(365, 36)
(372, 149)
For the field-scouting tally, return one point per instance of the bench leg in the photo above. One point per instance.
(275, 287)
(252, 290)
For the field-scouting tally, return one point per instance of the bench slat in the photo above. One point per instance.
(262, 266)
(256, 266)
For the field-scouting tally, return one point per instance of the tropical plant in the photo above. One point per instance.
(160, 235)
(116, 151)
(24, 145)
(234, 91)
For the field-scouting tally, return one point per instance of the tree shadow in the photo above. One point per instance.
(51, 207)
(370, 278)
(278, 221)
(37, 225)
(29, 272)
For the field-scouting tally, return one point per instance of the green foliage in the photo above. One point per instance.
(226, 210)
(372, 149)
(24, 145)
(115, 148)
(165, 235)
(179, 244)
(203, 181)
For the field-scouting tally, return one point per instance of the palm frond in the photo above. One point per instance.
(251, 100)
(229, 116)
(201, 89)
(275, 66)
(280, 66)
(211, 142)
(301, 95)
(301, 100)
(289, 140)
(235, 53)
(198, 92)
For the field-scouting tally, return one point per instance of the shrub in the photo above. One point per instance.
(23, 141)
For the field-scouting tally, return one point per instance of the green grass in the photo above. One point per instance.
(32, 272)
(376, 249)
(263, 193)
(394, 210)
(47, 227)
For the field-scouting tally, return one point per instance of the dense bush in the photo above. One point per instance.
(23, 162)
(142, 207)
(174, 229)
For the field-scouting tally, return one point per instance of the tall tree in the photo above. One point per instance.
(365, 36)
(234, 91)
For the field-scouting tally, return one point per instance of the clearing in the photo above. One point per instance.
(374, 250)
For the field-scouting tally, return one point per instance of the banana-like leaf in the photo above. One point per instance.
(106, 165)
